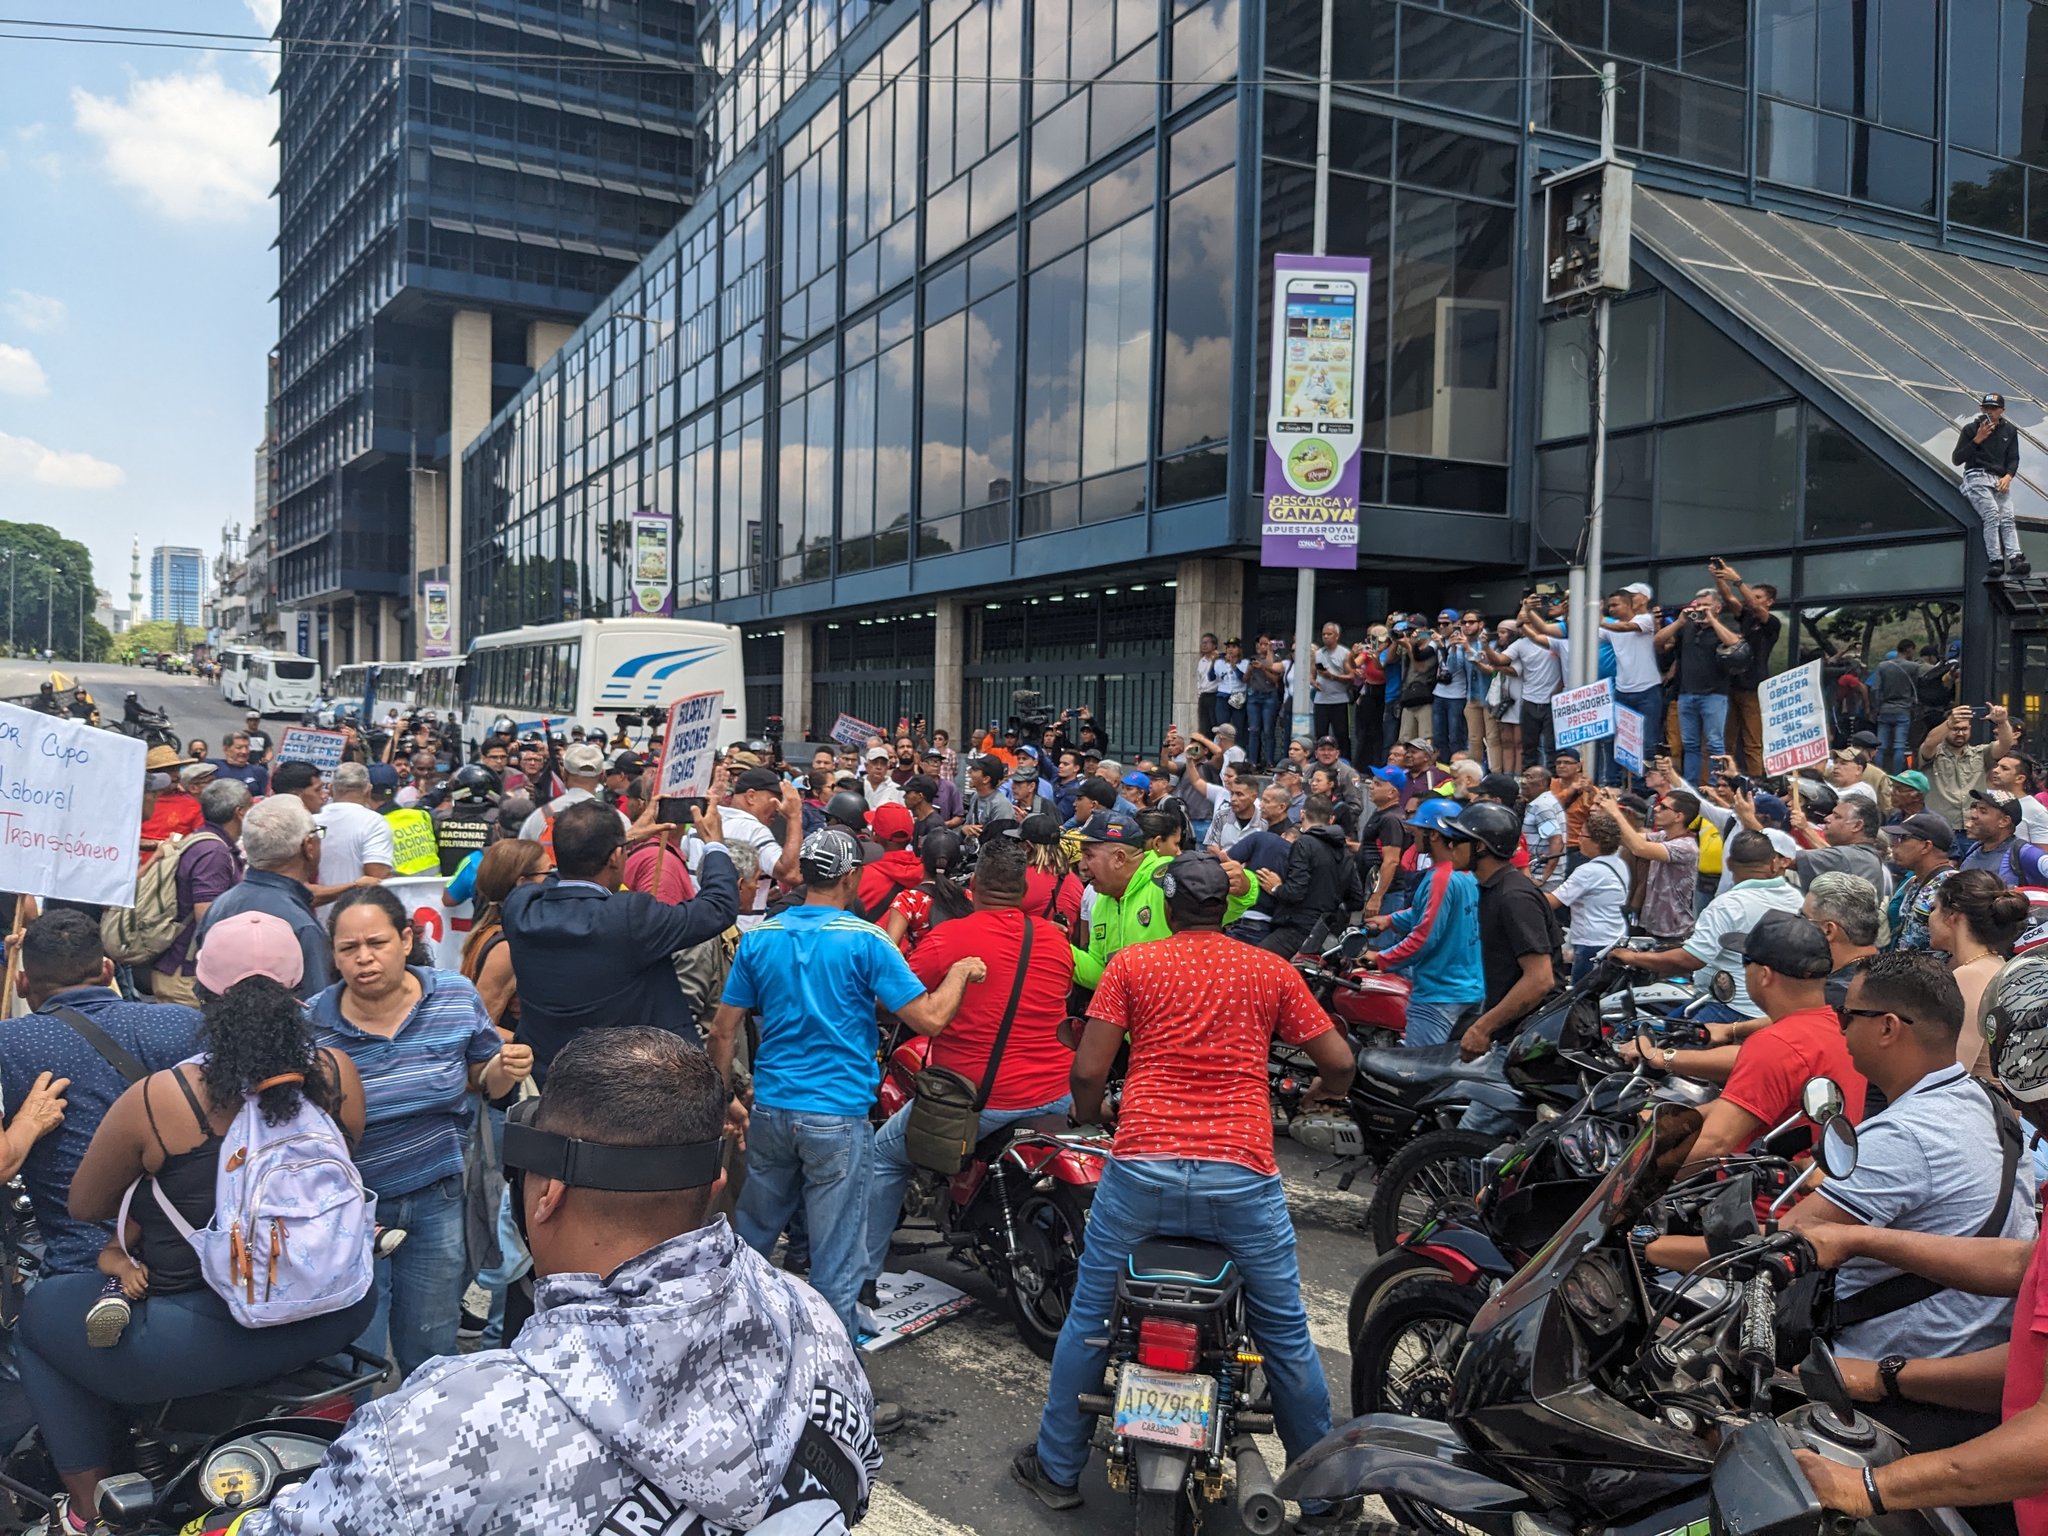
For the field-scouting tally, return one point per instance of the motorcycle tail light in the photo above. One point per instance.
(1168, 1346)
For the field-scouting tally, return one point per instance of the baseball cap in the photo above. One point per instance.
(2002, 800)
(1640, 589)
(991, 766)
(1991, 400)
(583, 760)
(891, 820)
(1137, 780)
(1913, 778)
(1398, 777)
(383, 776)
(1111, 827)
(1195, 883)
(827, 855)
(758, 778)
(1504, 787)
(1419, 744)
(1773, 811)
(1927, 826)
(1788, 943)
(882, 752)
(1327, 741)
(628, 762)
(249, 944)
(1864, 739)
(1098, 789)
(252, 714)
(1447, 613)
(1040, 828)
(196, 773)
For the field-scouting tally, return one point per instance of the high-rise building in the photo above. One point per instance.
(177, 584)
(458, 186)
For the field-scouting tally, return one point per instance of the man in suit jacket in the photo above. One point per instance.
(587, 955)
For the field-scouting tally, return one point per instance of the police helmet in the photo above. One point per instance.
(846, 809)
(474, 784)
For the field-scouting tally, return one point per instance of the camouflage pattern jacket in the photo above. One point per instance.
(668, 1396)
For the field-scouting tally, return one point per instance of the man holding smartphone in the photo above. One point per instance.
(1988, 453)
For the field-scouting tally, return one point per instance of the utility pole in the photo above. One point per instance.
(50, 608)
(1305, 637)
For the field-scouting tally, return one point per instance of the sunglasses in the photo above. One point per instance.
(1844, 1013)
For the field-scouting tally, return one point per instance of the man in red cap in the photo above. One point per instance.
(898, 869)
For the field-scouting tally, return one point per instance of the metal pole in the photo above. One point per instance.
(1587, 579)
(49, 608)
(1305, 637)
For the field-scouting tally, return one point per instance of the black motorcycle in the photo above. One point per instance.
(152, 727)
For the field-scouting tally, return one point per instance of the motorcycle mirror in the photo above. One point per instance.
(1838, 1147)
(1722, 987)
(1355, 943)
(1821, 1098)
(125, 1500)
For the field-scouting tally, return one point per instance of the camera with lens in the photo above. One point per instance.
(1027, 709)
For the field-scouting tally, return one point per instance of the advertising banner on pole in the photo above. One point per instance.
(437, 621)
(1314, 420)
(653, 584)
(1628, 738)
(1795, 719)
(690, 745)
(70, 808)
(322, 749)
(1580, 715)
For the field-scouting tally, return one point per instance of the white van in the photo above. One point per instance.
(282, 686)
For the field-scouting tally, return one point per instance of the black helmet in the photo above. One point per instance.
(1817, 798)
(1493, 827)
(474, 784)
(943, 851)
(848, 810)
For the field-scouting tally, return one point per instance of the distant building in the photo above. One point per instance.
(113, 620)
(177, 584)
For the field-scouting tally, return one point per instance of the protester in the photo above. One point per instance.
(1436, 944)
(1973, 921)
(282, 846)
(1319, 887)
(1714, 945)
(1923, 846)
(1954, 767)
(1595, 894)
(233, 763)
(354, 840)
(209, 865)
(1670, 855)
(938, 898)
(582, 775)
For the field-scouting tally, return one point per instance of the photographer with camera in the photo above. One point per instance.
(1710, 654)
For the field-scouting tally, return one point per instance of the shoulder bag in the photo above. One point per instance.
(945, 1108)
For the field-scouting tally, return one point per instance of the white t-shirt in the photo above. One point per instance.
(355, 835)
(740, 827)
(1539, 669)
(1206, 668)
(1595, 893)
(888, 792)
(2033, 821)
(535, 826)
(1337, 659)
(1635, 655)
(1733, 915)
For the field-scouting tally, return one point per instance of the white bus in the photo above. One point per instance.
(437, 686)
(281, 685)
(234, 673)
(588, 670)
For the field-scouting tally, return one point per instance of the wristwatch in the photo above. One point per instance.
(1888, 1377)
(1670, 1056)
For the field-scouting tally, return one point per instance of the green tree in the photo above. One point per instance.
(155, 635)
(46, 593)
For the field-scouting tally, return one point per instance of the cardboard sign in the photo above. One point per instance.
(912, 1303)
(1580, 715)
(853, 734)
(1628, 738)
(1795, 718)
(445, 929)
(690, 746)
(70, 808)
(322, 749)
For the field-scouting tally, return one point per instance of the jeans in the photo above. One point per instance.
(1702, 720)
(1994, 510)
(513, 1262)
(1332, 720)
(1231, 715)
(1223, 1203)
(1489, 1112)
(1892, 741)
(419, 1288)
(1262, 712)
(819, 1163)
(893, 1170)
(1649, 703)
(1437, 1023)
(1447, 725)
(183, 1344)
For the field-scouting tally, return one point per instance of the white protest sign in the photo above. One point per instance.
(1580, 715)
(322, 749)
(690, 746)
(910, 1304)
(70, 808)
(853, 733)
(445, 929)
(1795, 719)
(1628, 738)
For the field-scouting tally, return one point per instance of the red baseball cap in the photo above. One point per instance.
(891, 820)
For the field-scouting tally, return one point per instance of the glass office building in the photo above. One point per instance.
(177, 584)
(953, 380)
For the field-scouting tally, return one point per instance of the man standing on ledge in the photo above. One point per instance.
(1988, 453)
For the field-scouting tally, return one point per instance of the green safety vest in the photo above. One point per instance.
(414, 848)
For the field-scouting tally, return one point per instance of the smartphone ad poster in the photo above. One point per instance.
(1313, 420)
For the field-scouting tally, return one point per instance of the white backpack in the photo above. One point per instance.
(293, 1228)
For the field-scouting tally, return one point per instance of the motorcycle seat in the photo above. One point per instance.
(1413, 1066)
(990, 1147)
(1182, 1260)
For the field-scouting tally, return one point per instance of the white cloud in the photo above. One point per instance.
(20, 373)
(24, 459)
(192, 145)
(268, 13)
(35, 311)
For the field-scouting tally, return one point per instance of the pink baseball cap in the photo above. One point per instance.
(249, 944)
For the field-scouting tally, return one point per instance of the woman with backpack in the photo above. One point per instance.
(423, 1043)
(84, 1349)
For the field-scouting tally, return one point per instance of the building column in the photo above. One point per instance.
(1208, 599)
(797, 724)
(388, 648)
(949, 669)
(544, 339)
(469, 412)
(364, 619)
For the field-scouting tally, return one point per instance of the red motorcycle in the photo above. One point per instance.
(1370, 1006)
(1018, 1210)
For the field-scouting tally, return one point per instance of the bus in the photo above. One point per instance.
(437, 686)
(281, 685)
(234, 673)
(594, 670)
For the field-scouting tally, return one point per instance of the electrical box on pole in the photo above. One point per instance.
(1586, 213)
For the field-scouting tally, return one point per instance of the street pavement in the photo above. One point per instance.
(971, 1392)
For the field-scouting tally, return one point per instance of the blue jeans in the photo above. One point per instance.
(893, 1169)
(1447, 725)
(1649, 703)
(419, 1288)
(1222, 1203)
(1437, 1023)
(818, 1163)
(1892, 743)
(1702, 722)
(183, 1344)
(1262, 712)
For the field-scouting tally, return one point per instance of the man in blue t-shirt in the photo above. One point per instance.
(815, 975)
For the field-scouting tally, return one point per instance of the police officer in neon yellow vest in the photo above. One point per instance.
(415, 850)
(1129, 906)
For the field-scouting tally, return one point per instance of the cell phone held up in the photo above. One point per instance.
(678, 813)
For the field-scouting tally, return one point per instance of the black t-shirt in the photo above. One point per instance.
(1514, 920)
(1761, 631)
(1382, 830)
(1699, 664)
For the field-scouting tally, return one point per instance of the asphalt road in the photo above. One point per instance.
(971, 1392)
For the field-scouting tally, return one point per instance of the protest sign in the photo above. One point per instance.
(690, 745)
(320, 748)
(853, 734)
(1795, 718)
(445, 929)
(70, 808)
(909, 1304)
(1628, 738)
(1580, 715)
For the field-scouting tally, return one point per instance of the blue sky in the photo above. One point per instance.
(135, 279)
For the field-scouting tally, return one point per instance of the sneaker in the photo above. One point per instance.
(107, 1317)
(865, 1308)
(1330, 1518)
(1026, 1472)
(471, 1326)
(2017, 566)
(1996, 569)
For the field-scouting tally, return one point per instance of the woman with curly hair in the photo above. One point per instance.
(86, 1346)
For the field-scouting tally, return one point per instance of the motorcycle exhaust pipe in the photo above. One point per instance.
(1258, 1505)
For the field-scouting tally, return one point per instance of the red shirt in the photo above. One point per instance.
(1038, 894)
(1202, 1010)
(1035, 1067)
(2025, 1362)
(176, 813)
(1775, 1063)
(661, 872)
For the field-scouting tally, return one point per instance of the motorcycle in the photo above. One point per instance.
(1018, 1211)
(1368, 1005)
(149, 726)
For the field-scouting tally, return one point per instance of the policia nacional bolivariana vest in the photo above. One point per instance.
(414, 848)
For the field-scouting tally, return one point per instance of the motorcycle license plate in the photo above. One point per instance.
(1165, 1407)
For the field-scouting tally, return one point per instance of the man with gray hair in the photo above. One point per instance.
(282, 845)
(355, 842)
(209, 866)
(1846, 909)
